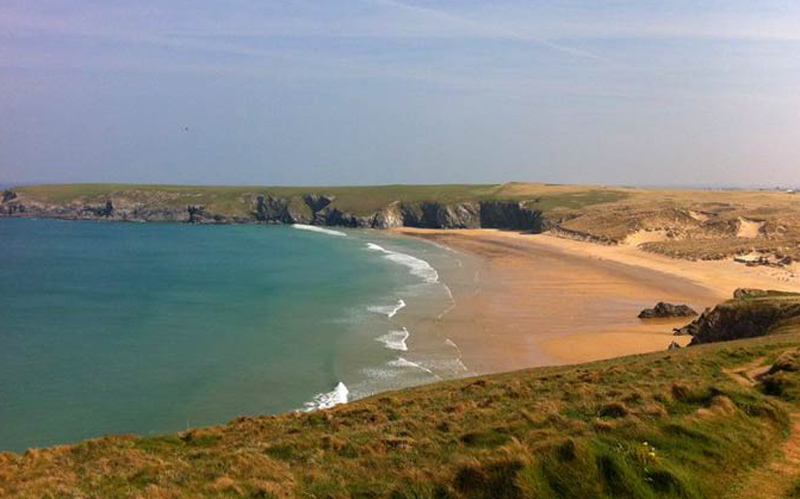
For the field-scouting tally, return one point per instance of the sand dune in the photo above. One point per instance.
(749, 229)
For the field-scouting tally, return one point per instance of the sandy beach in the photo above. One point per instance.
(531, 300)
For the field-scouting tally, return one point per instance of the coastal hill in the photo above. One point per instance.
(758, 226)
(716, 420)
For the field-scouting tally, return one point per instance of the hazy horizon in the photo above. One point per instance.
(304, 92)
(787, 186)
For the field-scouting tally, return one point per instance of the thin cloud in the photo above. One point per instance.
(478, 28)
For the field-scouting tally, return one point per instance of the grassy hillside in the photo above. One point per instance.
(685, 423)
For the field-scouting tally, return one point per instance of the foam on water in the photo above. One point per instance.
(395, 340)
(416, 266)
(452, 301)
(403, 362)
(329, 399)
(389, 310)
(314, 228)
(458, 362)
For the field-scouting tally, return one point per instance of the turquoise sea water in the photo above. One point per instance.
(149, 328)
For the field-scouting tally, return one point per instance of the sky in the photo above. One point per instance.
(341, 92)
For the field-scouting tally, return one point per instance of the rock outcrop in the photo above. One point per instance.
(453, 216)
(317, 202)
(664, 310)
(388, 217)
(279, 210)
(509, 215)
(196, 213)
(751, 313)
(9, 195)
(103, 211)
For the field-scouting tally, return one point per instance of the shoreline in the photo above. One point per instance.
(535, 300)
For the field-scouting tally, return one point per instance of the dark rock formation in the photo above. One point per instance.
(196, 213)
(673, 345)
(280, 210)
(755, 314)
(9, 195)
(104, 211)
(336, 217)
(454, 216)
(318, 201)
(509, 215)
(664, 310)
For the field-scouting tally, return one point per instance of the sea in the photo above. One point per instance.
(149, 328)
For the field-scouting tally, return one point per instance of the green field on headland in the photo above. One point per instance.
(359, 200)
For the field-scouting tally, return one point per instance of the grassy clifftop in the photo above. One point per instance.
(685, 423)
(359, 200)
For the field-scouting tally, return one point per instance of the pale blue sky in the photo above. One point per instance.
(649, 92)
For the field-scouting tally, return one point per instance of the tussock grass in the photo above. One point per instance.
(669, 424)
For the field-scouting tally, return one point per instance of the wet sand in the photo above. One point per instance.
(531, 300)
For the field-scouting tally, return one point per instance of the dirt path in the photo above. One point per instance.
(747, 375)
(779, 478)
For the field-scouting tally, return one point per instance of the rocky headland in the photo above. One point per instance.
(758, 228)
(749, 314)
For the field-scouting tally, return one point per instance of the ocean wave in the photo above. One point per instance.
(452, 301)
(417, 266)
(403, 362)
(458, 361)
(389, 310)
(329, 399)
(314, 228)
(395, 340)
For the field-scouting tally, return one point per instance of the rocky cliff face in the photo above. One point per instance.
(316, 209)
(279, 210)
(751, 313)
(510, 215)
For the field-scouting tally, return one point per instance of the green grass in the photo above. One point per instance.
(669, 424)
(358, 200)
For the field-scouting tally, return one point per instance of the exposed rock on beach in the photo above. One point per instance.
(664, 310)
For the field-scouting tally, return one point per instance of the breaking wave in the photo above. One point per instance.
(314, 228)
(395, 340)
(389, 310)
(403, 362)
(416, 266)
(327, 400)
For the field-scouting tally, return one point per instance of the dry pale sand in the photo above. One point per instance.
(539, 299)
